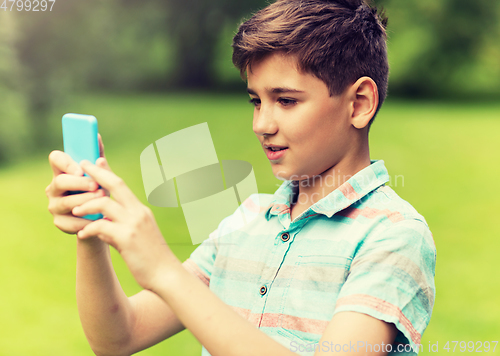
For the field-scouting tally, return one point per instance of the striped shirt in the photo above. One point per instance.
(361, 248)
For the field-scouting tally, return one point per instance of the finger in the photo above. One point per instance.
(103, 163)
(105, 230)
(101, 146)
(111, 182)
(66, 182)
(65, 205)
(61, 162)
(70, 224)
(105, 206)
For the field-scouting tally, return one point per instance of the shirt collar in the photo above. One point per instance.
(354, 189)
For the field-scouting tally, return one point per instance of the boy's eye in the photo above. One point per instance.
(287, 102)
(254, 101)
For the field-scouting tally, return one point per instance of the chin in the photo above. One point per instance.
(281, 174)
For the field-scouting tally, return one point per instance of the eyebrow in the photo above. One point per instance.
(278, 90)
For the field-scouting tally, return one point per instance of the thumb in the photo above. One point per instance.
(101, 145)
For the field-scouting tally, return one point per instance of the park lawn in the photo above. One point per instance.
(442, 157)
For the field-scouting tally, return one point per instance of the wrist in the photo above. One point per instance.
(168, 276)
(92, 244)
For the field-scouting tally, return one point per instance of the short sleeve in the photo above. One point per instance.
(202, 259)
(392, 279)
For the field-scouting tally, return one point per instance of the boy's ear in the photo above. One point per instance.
(364, 100)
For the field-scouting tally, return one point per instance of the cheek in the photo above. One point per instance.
(300, 127)
(332, 124)
(313, 129)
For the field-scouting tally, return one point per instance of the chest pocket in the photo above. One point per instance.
(310, 297)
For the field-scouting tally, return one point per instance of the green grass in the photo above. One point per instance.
(448, 155)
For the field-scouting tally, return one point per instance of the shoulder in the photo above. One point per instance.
(391, 223)
(385, 199)
(385, 208)
(403, 216)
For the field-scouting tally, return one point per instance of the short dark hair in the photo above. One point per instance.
(338, 41)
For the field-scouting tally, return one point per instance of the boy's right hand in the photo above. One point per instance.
(68, 176)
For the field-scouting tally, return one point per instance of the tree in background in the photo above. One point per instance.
(13, 124)
(49, 59)
(78, 46)
(444, 48)
(195, 27)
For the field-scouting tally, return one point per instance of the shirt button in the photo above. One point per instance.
(285, 237)
(263, 290)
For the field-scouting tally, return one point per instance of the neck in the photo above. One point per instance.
(313, 189)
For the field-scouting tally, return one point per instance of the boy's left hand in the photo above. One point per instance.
(128, 226)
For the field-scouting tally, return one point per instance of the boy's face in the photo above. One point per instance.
(295, 110)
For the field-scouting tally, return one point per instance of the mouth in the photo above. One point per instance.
(275, 148)
(274, 153)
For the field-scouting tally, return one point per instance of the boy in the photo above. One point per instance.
(334, 262)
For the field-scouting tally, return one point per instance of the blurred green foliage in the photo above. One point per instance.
(13, 123)
(437, 49)
(444, 48)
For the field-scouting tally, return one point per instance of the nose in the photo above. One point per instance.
(264, 122)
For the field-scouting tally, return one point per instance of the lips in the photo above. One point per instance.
(275, 147)
(274, 152)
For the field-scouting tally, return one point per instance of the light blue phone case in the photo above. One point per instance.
(81, 142)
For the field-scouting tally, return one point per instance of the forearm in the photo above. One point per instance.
(133, 231)
(105, 311)
(218, 327)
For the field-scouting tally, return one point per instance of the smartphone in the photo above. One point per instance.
(81, 143)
